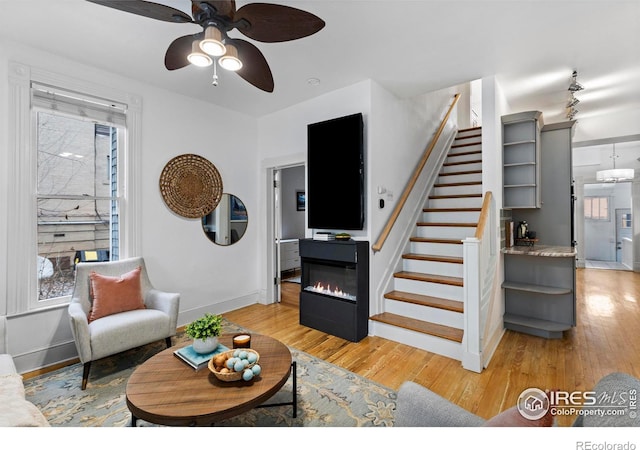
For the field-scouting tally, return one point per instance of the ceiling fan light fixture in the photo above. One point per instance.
(197, 57)
(212, 42)
(230, 60)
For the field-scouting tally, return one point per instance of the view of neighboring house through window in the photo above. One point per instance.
(77, 193)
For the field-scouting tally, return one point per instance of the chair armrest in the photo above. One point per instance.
(417, 406)
(168, 303)
(80, 330)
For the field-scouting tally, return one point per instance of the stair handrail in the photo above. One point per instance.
(484, 214)
(412, 181)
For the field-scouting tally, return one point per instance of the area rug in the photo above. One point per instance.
(328, 395)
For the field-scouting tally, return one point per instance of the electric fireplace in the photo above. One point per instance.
(334, 295)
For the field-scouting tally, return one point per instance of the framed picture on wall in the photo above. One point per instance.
(300, 201)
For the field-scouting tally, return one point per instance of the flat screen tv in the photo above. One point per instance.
(335, 174)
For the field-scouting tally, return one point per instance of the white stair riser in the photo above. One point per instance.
(433, 248)
(422, 341)
(467, 148)
(425, 313)
(444, 232)
(461, 167)
(427, 288)
(473, 132)
(462, 178)
(464, 202)
(458, 190)
(461, 158)
(432, 267)
(451, 216)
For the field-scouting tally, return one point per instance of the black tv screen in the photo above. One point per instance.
(335, 174)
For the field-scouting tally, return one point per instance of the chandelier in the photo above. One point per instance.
(614, 175)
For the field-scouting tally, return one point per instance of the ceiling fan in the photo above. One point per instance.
(262, 22)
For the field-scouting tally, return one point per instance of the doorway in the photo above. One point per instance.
(289, 226)
(607, 226)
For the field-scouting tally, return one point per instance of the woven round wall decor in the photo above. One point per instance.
(191, 186)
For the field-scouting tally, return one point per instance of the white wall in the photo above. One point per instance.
(179, 256)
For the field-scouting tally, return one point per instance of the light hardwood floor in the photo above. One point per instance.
(606, 339)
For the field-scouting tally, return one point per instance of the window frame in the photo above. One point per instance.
(599, 218)
(22, 247)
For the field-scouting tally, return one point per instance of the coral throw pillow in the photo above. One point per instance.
(112, 295)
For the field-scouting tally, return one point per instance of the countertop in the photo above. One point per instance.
(553, 251)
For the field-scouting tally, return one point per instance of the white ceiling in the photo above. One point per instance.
(409, 47)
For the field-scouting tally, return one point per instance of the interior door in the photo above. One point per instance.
(277, 227)
(623, 229)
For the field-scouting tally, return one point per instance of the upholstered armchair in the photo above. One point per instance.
(115, 308)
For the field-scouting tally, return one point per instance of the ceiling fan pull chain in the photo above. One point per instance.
(215, 72)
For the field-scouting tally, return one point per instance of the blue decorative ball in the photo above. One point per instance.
(252, 357)
(256, 369)
(242, 354)
(247, 375)
(230, 363)
(239, 365)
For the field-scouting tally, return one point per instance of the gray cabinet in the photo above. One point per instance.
(540, 290)
(289, 255)
(520, 159)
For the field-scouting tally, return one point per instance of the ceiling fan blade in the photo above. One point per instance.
(146, 9)
(176, 55)
(276, 23)
(255, 68)
(225, 8)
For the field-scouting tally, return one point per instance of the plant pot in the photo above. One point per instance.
(205, 345)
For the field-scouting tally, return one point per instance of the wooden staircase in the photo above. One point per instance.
(425, 309)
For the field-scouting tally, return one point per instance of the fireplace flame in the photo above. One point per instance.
(320, 288)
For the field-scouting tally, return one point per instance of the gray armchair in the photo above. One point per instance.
(122, 331)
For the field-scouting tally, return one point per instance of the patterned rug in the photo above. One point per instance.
(328, 395)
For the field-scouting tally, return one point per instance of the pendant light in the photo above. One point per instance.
(614, 175)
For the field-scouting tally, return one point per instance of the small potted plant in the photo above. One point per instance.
(204, 332)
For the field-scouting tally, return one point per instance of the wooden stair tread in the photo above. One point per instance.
(426, 300)
(462, 172)
(447, 224)
(469, 129)
(455, 196)
(464, 183)
(451, 209)
(435, 240)
(441, 279)
(435, 258)
(470, 136)
(460, 163)
(433, 329)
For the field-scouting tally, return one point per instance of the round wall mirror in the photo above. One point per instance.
(227, 223)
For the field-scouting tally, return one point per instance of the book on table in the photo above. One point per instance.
(195, 359)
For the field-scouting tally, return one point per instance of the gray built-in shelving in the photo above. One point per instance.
(520, 159)
(539, 281)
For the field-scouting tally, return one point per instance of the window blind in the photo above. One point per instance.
(78, 105)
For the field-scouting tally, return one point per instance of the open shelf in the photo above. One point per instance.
(539, 324)
(536, 288)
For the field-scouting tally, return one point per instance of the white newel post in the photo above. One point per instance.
(471, 352)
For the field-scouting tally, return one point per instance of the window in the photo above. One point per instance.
(625, 220)
(596, 208)
(77, 198)
(75, 182)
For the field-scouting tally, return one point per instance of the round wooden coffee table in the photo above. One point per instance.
(166, 391)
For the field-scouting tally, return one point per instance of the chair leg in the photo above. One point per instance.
(168, 341)
(85, 374)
